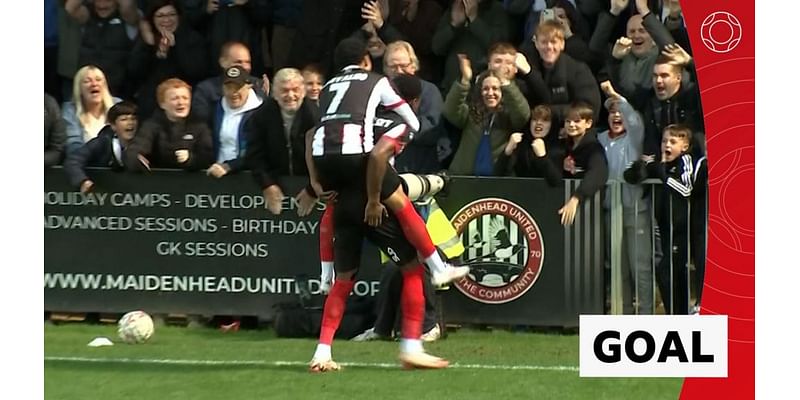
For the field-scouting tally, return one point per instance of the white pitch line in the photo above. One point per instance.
(301, 363)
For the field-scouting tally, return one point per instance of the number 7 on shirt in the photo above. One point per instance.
(340, 88)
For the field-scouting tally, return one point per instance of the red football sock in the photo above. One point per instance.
(414, 229)
(334, 309)
(326, 234)
(412, 302)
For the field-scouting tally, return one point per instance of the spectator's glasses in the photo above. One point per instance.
(399, 67)
(166, 15)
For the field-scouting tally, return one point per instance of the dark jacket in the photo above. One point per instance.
(568, 81)
(629, 85)
(472, 39)
(524, 163)
(684, 108)
(158, 138)
(98, 152)
(672, 206)
(420, 155)
(207, 94)
(286, 12)
(105, 43)
(324, 23)
(591, 165)
(55, 132)
(183, 61)
(698, 224)
(416, 32)
(230, 23)
(681, 204)
(269, 155)
(699, 199)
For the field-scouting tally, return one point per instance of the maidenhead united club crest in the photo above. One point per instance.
(503, 248)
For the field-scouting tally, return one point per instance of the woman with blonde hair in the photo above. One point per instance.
(85, 115)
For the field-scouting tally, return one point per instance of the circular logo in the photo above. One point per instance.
(503, 247)
(234, 73)
(721, 32)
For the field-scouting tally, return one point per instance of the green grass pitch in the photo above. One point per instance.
(202, 363)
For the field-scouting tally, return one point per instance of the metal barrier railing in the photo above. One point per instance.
(634, 243)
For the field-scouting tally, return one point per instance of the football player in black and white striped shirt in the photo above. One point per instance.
(346, 133)
(349, 101)
(340, 151)
(392, 134)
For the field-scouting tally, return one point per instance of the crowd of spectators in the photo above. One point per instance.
(509, 87)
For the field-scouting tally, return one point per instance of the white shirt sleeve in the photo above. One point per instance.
(392, 101)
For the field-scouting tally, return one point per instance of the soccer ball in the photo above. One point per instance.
(135, 327)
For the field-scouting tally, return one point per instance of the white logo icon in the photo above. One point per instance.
(721, 32)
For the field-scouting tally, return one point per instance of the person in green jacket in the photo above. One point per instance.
(486, 118)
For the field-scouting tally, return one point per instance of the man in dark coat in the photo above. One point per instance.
(276, 146)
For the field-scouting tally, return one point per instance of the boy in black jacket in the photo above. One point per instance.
(585, 159)
(106, 149)
(677, 170)
(527, 154)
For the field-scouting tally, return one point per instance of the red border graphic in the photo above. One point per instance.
(726, 75)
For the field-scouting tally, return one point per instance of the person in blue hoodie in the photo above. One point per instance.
(229, 120)
(105, 150)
